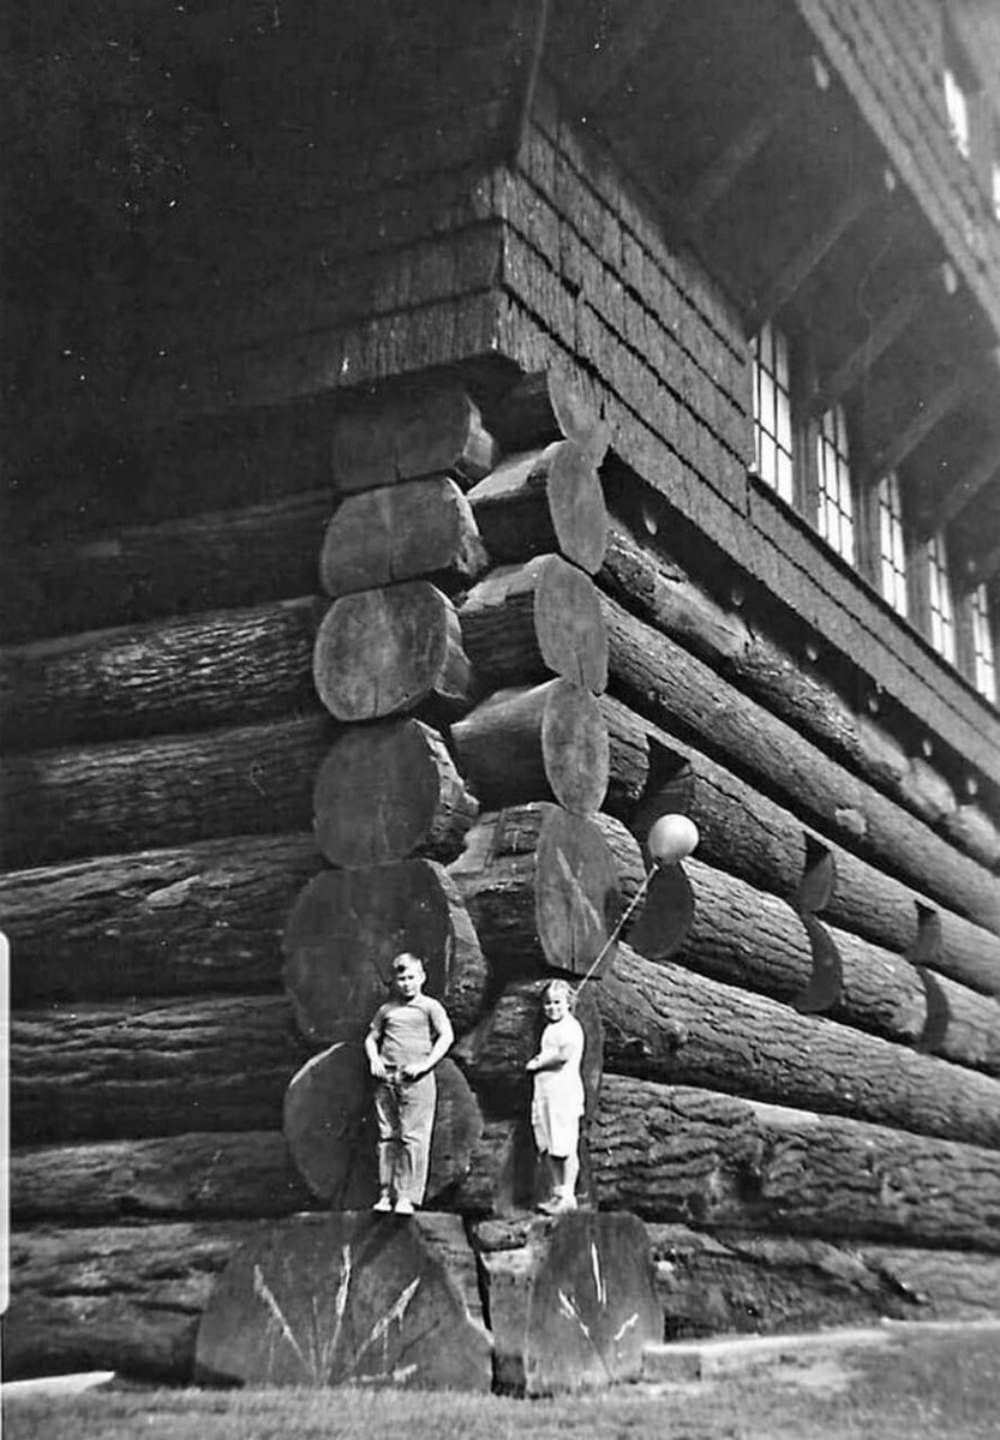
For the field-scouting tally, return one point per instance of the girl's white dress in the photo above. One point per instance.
(557, 1098)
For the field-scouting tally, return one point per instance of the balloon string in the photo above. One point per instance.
(618, 927)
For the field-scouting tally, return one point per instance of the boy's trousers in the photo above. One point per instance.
(405, 1114)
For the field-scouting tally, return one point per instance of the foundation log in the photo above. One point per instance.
(388, 790)
(253, 664)
(401, 532)
(345, 929)
(544, 406)
(408, 433)
(204, 918)
(524, 623)
(544, 501)
(382, 652)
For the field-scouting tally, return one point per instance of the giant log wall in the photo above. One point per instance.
(164, 736)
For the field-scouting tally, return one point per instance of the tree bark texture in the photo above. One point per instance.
(219, 561)
(544, 501)
(203, 918)
(346, 928)
(332, 1133)
(658, 589)
(402, 532)
(664, 1023)
(547, 741)
(525, 623)
(388, 790)
(351, 1298)
(541, 886)
(229, 667)
(571, 1300)
(383, 652)
(124, 1298)
(742, 830)
(668, 683)
(408, 433)
(136, 795)
(544, 406)
(132, 1071)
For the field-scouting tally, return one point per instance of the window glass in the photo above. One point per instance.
(985, 677)
(772, 411)
(941, 611)
(836, 502)
(957, 105)
(892, 548)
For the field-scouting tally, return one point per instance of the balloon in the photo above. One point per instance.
(671, 838)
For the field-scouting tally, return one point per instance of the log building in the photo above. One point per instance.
(440, 439)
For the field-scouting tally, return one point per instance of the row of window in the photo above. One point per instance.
(809, 465)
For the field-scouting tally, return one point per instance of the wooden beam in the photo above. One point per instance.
(594, 77)
(721, 174)
(793, 276)
(962, 492)
(884, 333)
(929, 414)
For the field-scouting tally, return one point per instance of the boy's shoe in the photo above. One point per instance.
(383, 1204)
(404, 1207)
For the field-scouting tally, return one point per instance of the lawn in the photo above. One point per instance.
(940, 1387)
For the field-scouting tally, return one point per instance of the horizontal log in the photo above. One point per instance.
(547, 741)
(346, 928)
(409, 432)
(544, 406)
(541, 886)
(747, 833)
(204, 918)
(135, 795)
(201, 1175)
(727, 1281)
(388, 790)
(179, 674)
(659, 589)
(525, 623)
(386, 651)
(665, 681)
(664, 1023)
(126, 1298)
(401, 532)
(361, 1300)
(697, 1157)
(543, 501)
(217, 561)
(142, 1069)
(746, 937)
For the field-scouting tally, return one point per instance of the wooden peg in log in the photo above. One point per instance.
(408, 434)
(346, 927)
(544, 500)
(494, 1054)
(528, 622)
(542, 741)
(400, 532)
(541, 886)
(545, 406)
(388, 790)
(332, 1135)
(572, 1300)
(385, 651)
(349, 1299)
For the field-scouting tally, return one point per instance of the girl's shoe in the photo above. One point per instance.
(384, 1203)
(404, 1207)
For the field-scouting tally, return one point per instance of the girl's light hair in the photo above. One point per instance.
(405, 957)
(561, 987)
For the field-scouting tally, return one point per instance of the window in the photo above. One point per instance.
(892, 548)
(983, 645)
(956, 103)
(942, 616)
(996, 188)
(772, 411)
(836, 501)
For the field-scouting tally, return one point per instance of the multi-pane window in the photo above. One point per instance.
(772, 411)
(836, 501)
(996, 188)
(892, 547)
(983, 646)
(942, 615)
(956, 103)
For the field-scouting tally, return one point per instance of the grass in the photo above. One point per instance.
(937, 1386)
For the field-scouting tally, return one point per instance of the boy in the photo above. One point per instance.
(408, 1036)
(557, 1095)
